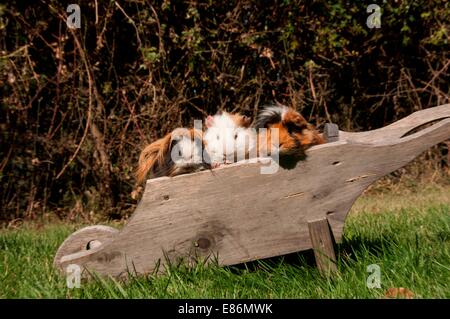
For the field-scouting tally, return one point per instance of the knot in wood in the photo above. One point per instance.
(203, 243)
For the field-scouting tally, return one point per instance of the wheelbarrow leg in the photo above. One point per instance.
(323, 245)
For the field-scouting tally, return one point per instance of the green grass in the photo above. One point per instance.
(407, 237)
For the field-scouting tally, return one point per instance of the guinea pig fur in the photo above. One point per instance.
(179, 152)
(295, 134)
(228, 138)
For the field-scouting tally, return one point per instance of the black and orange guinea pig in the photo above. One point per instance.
(295, 134)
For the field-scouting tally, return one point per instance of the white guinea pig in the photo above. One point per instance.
(229, 138)
(187, 151)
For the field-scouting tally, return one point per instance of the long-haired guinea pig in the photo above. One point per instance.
(228, 138)
(179, 152)
(295, 134)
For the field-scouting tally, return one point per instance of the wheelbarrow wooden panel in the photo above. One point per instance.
(235, 214)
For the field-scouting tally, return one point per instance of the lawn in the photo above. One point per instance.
(406, 233)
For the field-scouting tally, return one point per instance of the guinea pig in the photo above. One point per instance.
(179, 152)
(295, 134)
(228, 138)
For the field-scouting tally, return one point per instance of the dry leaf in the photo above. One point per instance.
(399, 293)
(267, 53)
(135, 193)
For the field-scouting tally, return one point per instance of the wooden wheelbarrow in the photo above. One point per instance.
(235, 214)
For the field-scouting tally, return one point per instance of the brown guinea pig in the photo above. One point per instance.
(179, 152)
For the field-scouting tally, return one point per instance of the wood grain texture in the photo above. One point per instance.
(399, 128)
(236, 214)
(323, 244)
(79, 241)
(331, 132)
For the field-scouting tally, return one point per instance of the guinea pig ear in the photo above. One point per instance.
(173, 141)
(294, 121)
(246, 121)
(175, 136)
(209, 121)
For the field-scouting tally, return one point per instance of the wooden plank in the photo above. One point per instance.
(323, 244)
(331, 132)
(399, 128)
(85, 239)
(236, 214)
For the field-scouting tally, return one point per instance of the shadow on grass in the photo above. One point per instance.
(348, 250)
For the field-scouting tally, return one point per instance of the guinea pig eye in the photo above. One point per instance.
(235, 136)
(179, 152)
(217, 137)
